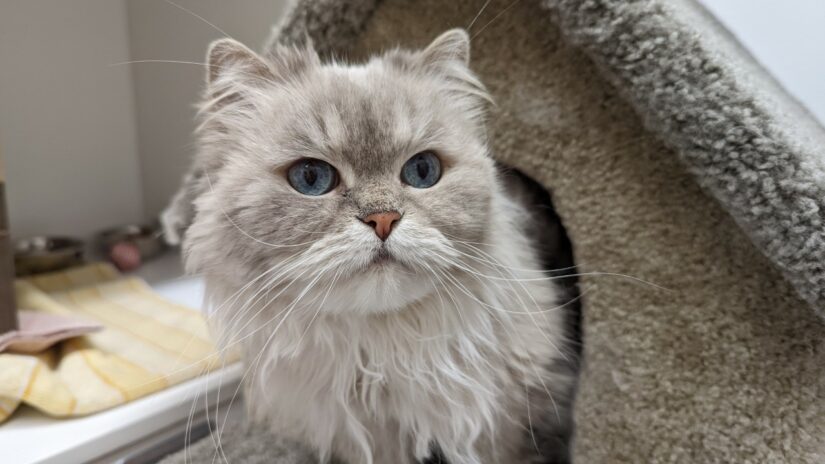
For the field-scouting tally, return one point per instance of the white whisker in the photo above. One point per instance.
(494, 18)
(475, 18)
(212, 25)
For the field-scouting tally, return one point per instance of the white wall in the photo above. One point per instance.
(87, 144)
(787, 37)
(167, 92)
(67, 127)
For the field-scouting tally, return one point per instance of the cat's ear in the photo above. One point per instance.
(230, 58)
(448, 56)
(450, 48)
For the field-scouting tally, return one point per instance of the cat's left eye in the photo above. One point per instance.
(312, 177)
(422, 170)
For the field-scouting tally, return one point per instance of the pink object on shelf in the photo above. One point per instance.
(126, 256)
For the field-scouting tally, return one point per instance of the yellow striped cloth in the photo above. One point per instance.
(148, 344)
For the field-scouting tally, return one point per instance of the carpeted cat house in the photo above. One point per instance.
(671, 156)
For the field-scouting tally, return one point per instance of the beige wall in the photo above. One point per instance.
(87, 144)
(67, 124)
(166, 92)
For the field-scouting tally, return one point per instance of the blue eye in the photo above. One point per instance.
(312, 177)
(422, 170)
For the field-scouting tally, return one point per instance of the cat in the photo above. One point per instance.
(377, 268)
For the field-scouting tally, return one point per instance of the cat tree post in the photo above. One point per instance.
(8, 308)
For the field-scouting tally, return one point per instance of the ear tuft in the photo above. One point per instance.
(290, 61)
(229, 55)
(448, 59)
(451, 46)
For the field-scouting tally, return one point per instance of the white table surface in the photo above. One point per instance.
(30, 437)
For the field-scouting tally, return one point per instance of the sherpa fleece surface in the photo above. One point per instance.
(674, 159)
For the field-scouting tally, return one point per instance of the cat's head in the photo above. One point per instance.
(348, 184)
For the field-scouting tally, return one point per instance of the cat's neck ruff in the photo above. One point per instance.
(451, 352)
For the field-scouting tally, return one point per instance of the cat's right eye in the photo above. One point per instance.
(312, 177)
(422, 170)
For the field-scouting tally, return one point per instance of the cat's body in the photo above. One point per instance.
(383, 320)
(445, 369)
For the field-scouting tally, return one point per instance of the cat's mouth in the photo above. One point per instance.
(383, 258)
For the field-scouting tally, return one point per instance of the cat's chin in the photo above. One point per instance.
(383, 262)
(384, 285)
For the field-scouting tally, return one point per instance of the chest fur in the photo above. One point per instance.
(448, 370)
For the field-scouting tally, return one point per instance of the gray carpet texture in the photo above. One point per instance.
(674, 158)
(751, 146)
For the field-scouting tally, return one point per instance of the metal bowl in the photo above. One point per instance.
(45, 254)
(147, 239)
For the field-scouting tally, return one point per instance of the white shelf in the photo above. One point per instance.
(29, 437)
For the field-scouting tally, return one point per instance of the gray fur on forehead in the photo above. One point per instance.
(369, 97)
(367, 123)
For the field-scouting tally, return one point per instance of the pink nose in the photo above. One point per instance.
(382, 222)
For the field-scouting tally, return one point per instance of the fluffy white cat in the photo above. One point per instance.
(361, 246)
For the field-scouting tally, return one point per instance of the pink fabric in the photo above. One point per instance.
(39, 331)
